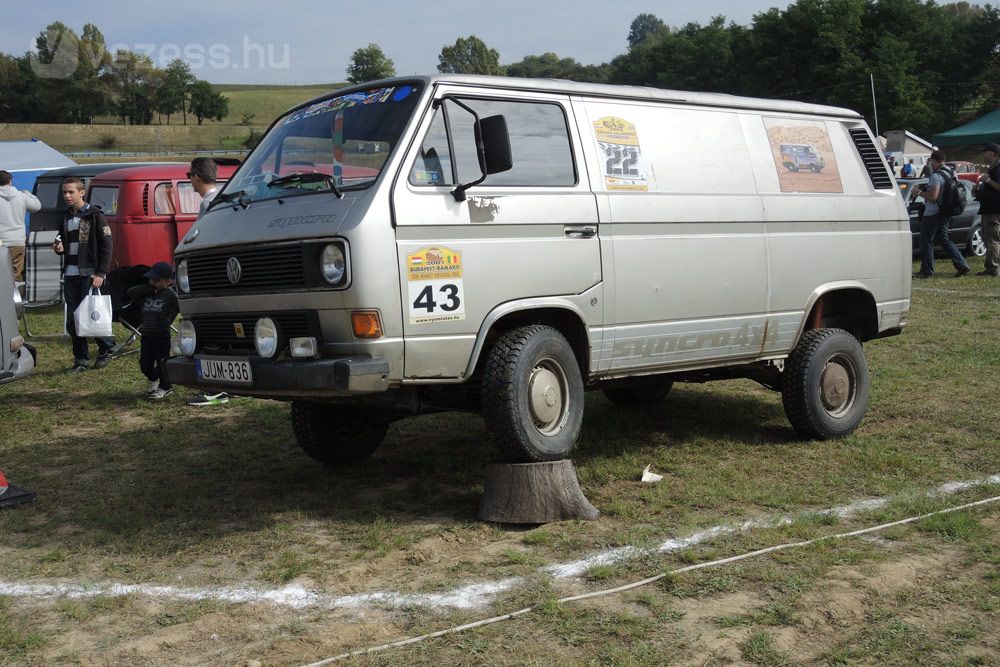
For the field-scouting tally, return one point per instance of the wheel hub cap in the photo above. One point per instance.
(545, 397)
(835, 386)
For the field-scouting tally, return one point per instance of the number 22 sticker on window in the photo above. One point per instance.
(434, 279)
(621, 154)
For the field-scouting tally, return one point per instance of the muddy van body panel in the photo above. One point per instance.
(641, 233)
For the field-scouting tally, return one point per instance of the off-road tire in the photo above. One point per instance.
(532, 361)
(332, 436)
(818, 352)
(640, 394)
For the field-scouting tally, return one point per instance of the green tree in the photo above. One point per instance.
(551, 66)
(645, 27)
(135, 81)
(470, 55)
(369, 63)
(173, 93)
(206, 103)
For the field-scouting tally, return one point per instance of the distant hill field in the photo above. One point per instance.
(267, 102)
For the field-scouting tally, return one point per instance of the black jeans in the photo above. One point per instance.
(75, 288)
(934, 229)
(153, 353)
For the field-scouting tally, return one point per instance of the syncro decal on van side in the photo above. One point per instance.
(747, 337)
(283, 223)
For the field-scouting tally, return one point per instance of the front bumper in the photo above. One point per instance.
(25, 364)
(295, 378)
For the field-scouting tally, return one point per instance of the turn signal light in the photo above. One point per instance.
(366, 324)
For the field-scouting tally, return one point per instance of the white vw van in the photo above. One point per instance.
(503, 245)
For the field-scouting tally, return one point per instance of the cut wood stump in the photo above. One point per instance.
(534, 493)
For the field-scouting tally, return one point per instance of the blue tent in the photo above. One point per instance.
(26, 160)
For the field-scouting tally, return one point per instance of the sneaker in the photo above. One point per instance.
(964, 271)
(987, 273)
(77, 369)
(921, 275)
(160, 394)
(102, 361)
(153, 386)
(209, 399)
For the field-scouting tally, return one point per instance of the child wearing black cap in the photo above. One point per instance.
(159, 308)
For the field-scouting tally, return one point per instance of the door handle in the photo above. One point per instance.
(580, 231)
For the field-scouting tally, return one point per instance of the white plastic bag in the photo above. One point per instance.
(93, 316)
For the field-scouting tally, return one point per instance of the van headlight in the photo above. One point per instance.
(332, 264)
(18, 303)
(182, 277)
(187, 339)
(267, 338)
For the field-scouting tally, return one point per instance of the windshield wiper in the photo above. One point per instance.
(228, 197)
(310, 177)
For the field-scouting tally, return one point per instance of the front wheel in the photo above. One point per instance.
(332, 436)
(976, 247)
(532, 394)
(825, 385)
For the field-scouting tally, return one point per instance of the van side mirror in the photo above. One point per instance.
(492, 148)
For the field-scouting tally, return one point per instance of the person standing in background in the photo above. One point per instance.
(84, 240)
(14, 204)
(987, 193)
(934, 224)
(204, 173)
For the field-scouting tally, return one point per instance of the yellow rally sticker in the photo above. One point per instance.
(433, 263)
(618, 144)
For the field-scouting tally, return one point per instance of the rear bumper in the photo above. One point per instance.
(295, 378)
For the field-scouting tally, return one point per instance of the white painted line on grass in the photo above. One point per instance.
(471, 596)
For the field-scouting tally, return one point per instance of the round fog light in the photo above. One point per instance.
(266, 337)
(187, 339)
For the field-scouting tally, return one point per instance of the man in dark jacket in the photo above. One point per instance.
(85, 242)
(987, 191)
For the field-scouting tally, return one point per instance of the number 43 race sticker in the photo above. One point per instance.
(434, 279)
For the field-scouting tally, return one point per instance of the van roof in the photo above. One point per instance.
(90, 170)
(602, 90)
(152, 172)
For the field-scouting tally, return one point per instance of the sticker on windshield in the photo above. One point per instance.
(377, 96)
(621, 153)
(436, 292)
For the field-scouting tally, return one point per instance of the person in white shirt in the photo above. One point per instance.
(203, 175)
(14, 204)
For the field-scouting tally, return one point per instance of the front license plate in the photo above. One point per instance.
(227, 370)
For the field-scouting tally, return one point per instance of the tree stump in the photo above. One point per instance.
(534, 493)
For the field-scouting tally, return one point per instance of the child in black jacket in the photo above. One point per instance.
(159, 308)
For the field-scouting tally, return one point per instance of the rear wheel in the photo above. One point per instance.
(332, 436)
(641, 394)
(532, 394)
(825, 385)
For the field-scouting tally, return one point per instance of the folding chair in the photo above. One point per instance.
(127, 312)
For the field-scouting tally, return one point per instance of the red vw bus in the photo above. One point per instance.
(149, 208)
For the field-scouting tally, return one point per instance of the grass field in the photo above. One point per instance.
(250, 108)
(135, 492)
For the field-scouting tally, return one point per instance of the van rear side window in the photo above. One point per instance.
(539, 146)
(106, 198)
(163, 199)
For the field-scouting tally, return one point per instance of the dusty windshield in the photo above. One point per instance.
(340, 143)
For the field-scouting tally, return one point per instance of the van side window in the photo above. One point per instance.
(163, 203)
(106, 198)
(539, 145)
(190, 200)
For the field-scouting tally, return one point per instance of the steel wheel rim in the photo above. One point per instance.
(838, 385)
(548, 396)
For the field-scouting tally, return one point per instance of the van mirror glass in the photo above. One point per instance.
(495, 140)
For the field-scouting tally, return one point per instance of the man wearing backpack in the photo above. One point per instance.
(934, 224)
(987, 192)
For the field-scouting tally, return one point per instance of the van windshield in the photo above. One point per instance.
(347, 138)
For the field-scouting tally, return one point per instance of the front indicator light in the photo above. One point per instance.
(366, 324)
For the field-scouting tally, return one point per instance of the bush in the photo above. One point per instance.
(107, 141)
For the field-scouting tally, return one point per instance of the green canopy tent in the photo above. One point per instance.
(985, 129)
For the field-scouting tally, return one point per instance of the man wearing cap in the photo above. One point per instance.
(159, 308)
(987, 192)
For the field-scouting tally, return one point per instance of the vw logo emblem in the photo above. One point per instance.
(234, 271)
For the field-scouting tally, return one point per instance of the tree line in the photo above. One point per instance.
(72, 78)
(932, 66)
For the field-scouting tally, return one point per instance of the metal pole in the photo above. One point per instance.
(874, 108)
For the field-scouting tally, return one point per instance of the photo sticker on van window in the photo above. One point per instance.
(436, 292)
(344, 102)
(621, 154)
(803, 155)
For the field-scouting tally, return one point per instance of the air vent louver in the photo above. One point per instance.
(872, 157)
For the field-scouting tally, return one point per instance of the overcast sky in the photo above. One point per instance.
(233, 41)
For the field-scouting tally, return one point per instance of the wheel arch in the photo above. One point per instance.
(845, 305)
(564, 316)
